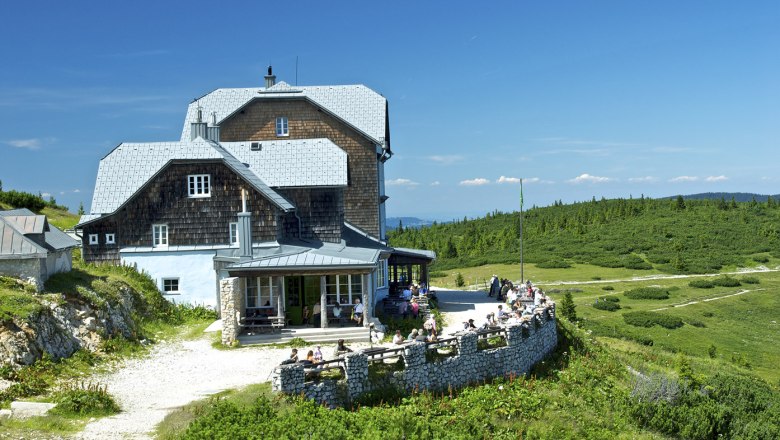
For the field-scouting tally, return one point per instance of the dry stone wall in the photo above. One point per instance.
(526, 344)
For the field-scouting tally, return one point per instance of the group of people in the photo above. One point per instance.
(315, 356)
(518, 303)
(428, 333)
(313, 316)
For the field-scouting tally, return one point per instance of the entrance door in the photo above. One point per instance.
(301, 291)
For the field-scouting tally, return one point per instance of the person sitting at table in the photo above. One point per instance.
(415, 306)
(421, 336)
(469, 325)
(309, 358)
(337, 312)
(501, 313)
(398, 338)
(341, 349)
(318, 354)
(357, 312)
(415, 290)
(490, 321)
(413, 335)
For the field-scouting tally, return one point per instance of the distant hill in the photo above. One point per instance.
(738, 196)
(407, 222)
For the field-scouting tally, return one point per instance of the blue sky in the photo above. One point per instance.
(580, 98)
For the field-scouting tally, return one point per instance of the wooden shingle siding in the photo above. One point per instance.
(321, 211)
(257, 122)
(101, 252)
(191, 221)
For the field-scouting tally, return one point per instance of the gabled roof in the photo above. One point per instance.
(130, 166)
(30, 224)
(17, 224)
(356, 105)
(13, 243)
(294, 163)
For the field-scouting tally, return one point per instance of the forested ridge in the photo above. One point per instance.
(673, 236)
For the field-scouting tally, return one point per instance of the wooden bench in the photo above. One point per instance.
(253, 323)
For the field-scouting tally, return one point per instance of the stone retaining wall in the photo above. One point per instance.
(526, 344)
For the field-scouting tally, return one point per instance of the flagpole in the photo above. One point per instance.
(522, 274)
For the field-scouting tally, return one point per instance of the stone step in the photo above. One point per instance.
(23, 410)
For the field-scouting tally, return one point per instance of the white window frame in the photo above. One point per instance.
(160, 239)
(282, 126)
(199, 185)
(233, 233)
(381, 278)
(259, 291)
(93, 239)
(110, 238)
(342, 288)
(164, 289)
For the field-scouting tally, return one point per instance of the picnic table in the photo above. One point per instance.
(259, 323)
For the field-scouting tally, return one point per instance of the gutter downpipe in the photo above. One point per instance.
(300, 224)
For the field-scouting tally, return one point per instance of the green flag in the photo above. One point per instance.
(521, 194)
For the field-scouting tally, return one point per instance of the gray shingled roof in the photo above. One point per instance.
(327, 256)
(294, 163)
(13, 243)
(357, 105)
(131, 165)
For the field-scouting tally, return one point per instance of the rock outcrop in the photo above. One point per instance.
(63, 327)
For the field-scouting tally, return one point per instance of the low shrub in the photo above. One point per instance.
(553, 264)
(726, 281)
(85, 399)
(649, 319)
(613, 299)
(702, 284)
(708, 314)
(695, 322)
(636, 263)
(607, 306)
(750, 280)
(459, 281)
(761, 259)
(437, 274)
(607, 262)
(648, 293)
(607, 288)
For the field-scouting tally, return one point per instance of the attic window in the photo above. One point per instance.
(281, 126)
(256, 146)
(110, 238)
(93, 239)
(199, 185)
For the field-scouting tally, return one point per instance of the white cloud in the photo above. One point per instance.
(76, 190)
(644, 179)
(479, 181)
(45, 195)
(435, 183)
(504, 179)
(446, 159)
(401, 182)
(684, 179)
(526, 180)
(30, 144)
(720, 178)
(587, 178)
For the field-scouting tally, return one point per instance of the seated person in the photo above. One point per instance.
(341, 349)
(502, 315)
(469, 325)
(413, 335)
(318, 354)
(292, 359)
(421, 337)
(398, 338)
(357, 312)
(407, 295)
(337, 311)
(309, 358)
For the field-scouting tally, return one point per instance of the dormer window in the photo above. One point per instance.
(199, 185)
(281, 126)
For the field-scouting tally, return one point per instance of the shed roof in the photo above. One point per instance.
(30, 224)
(18, 224)
(357, 105)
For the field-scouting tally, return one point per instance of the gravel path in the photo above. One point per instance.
(458, 306)
(174, 374)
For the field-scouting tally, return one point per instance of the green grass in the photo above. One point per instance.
(740, 327)
(60, 218)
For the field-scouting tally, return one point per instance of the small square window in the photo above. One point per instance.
(93, 239)
(282, 128)
(110, 239)
(159, 235)
(199, 185)
(170, 285)
(234, 233)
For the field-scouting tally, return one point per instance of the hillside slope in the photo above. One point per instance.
(673, 236)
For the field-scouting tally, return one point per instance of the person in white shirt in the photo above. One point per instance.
(398, 339)
(358, 311)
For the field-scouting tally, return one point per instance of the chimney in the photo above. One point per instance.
(212, 132)
(244, 230)
(198, 128)
(270, 79)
